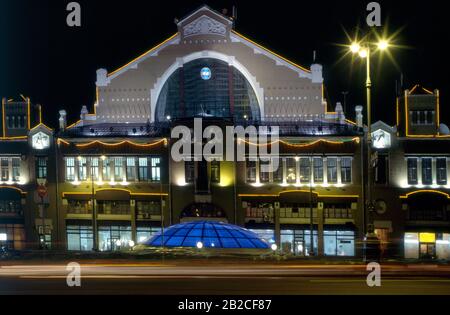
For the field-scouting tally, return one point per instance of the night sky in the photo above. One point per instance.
(55, 65)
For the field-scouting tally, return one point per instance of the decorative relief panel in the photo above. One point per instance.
(204, 25)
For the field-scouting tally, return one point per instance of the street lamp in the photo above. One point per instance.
(363, 49)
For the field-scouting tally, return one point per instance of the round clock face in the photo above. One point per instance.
(205, 73)
(40, 141)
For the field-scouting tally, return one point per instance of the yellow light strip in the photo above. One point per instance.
(59, 141)
(74, 124)
(270, 51)
(301, 191)
(300, 145)
(82, 145)
(41, 124)
(397, 113)
(350, 122)
(428, 91)
(15, 188)
(67, 193)
(414, 88)
(424, 191)
(40, 114)
(14, 138)
(438, 105)
(142, 55)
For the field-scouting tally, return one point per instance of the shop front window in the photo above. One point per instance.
(111, 238)
(79, 238)
(145, 232)
(332, 170)
(412, 171)
(13, 236)
(291, 170)
(339, 243)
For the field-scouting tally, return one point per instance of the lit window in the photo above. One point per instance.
(41, 167)
(82, 168)
(277, 173)
(305, 171)
(318, 170)
(106, 171)
(15, 169)
(412, 171)
(426, 171)
(215, 171)
(143, 169)
(131, 169)
(332, 170)
(346, 170)
(70, 169)
(441, 171)
(156, 169)
(263, 174)
(94, 168)
(291, 170)
(4, 169)
(118, 169)
(251, 171)
(189, 171)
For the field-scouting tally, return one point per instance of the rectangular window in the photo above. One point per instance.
(215, 171)
(251, 171)
(118, 169)
(79, 237)
(346, 170)
(277, 173)
(94, 168)
(264, 166)
(70, 169)
(381, 170)
(427, 178)
(189, 171)
(332, 170)
(156, 169)
(106, 170)
(412, 171)
(143, 169)
(82, 168)
(441, 171)
(305, 171)
(16, 169)
(41, 167)
(318, 170)
(4, 169)
(291, 170)
(131, 169)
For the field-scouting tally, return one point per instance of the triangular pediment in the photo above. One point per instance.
(204, 21)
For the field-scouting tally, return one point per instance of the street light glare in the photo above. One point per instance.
(383, 44)
(363, 53)
(355, 47)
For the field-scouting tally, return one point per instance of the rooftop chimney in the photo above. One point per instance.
(62, 119)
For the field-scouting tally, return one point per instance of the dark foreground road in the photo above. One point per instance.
(252, 279)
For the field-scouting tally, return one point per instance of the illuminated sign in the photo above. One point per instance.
(427, 237)
(205, 73)
(381, 139)
(40, 141)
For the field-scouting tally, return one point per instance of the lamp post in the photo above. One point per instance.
(363, 49)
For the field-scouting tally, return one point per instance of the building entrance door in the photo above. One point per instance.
(427, 250)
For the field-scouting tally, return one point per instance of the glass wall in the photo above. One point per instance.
(339, 243)
(12, 236)
(79, 237)
(145, 232)
(114, 237)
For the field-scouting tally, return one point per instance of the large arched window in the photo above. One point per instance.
(210, 88)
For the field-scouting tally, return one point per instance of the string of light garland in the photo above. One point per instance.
(144, 145)
(298, 145)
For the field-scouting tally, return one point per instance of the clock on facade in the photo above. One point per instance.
(40, 141)
(205, 73)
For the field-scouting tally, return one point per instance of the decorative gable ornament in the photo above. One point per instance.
(204, 25)
(381, 139)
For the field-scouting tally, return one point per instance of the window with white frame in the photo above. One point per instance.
(441, 171)
(94, 168)
(143, 169)
(82, 168)
(16, 169)
(291, 170)
(305, 171)
(346, 170)
(41, 167)
(318, 170)
(427, 178)
(106, 168)
(412, 171)
(332, 170)
(131, 169)
(118, 169)
(156, 169)
(70, 169)
(251, 171)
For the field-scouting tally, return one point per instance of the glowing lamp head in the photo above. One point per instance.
(199, 245)
(131, 243)
(355, 47)
(274, 247)
(383, 44)
(363, 53)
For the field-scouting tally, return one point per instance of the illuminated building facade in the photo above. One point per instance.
(115, 182)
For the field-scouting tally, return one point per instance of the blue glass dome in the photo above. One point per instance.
(211, 233)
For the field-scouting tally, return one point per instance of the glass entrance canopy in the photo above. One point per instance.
(211, 234)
